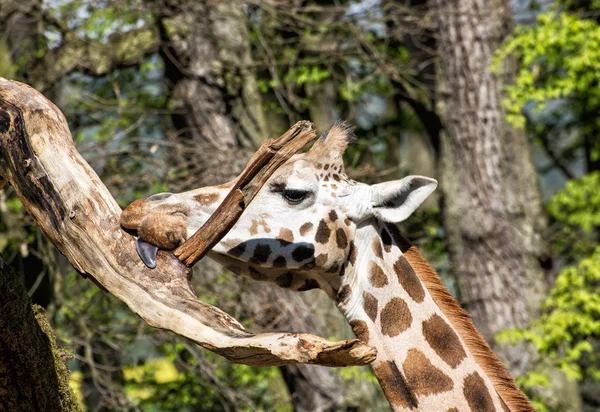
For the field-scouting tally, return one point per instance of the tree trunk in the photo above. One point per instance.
(33, 371)
(219, 113)
(501, 279)
(493, 211)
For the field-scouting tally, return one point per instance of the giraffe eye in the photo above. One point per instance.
(295, 196)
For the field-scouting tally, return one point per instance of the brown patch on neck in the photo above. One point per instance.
(477, 394)
(370, 305)
(360, 329)
(422, 377)
(395, 317)
(394, 385)
(376, 275)
(484, 356)
(443, 340)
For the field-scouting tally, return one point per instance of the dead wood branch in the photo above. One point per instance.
(271, 154)
(75, 210)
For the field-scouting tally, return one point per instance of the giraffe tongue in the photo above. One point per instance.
(147, 252)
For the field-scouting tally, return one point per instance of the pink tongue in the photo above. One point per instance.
(147, 252)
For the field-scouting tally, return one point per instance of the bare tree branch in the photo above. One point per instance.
(270, 156)
(77, 213)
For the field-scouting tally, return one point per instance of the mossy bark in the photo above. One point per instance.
(33, 370)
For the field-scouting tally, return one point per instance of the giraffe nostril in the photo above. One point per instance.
(160, 196)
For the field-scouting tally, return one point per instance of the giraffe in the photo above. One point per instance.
(310, 227)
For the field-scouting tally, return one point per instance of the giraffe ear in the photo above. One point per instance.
(396, 200)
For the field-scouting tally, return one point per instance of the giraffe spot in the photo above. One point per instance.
(326, 178)
(347, 221)
(319, 166)
(341, 239)
(280, 262)
(360, 329)
(370, 305)
(394, 385)
(333, 268)
(409, 280)
(343, 294)
(323, 232)
(342, 270)
(301, 253)
(321, 260)
(308, 285)
(376, 276)
(336, 177)
(454, 410)
(254, 227)
(261, 254)
(285, 280)
(333, 215)
(352, 254)
(238, 250)
(377, 248)
(395, 317)
(326, 167)
(286, 236)
(424, 378)
(205, 199)
(334, 187)
(387, 240)
(305, 228)
(443, 340)
(477, 394)
(256, 275)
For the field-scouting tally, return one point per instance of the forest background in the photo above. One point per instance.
(497, 99)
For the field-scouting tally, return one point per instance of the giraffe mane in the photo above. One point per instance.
(501, 379)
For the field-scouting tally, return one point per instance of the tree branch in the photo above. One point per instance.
(271, 154)
(77, 213)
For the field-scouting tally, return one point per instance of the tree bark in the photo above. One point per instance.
(492, 227)
(493, 212)
(33, 370)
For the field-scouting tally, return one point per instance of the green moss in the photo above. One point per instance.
(68, 400)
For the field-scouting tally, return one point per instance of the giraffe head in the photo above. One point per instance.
(298, 232)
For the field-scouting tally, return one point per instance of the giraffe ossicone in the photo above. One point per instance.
(310, 227)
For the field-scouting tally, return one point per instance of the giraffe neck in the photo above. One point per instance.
(429, 358)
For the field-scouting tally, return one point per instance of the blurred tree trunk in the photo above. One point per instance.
(33, 370)
(218, 114)
(493, 212)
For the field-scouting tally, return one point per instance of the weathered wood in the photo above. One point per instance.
(77, 213)
(271, 154)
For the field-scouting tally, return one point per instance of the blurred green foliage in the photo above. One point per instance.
(558, 57)
(556, 92)
(576, 212)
